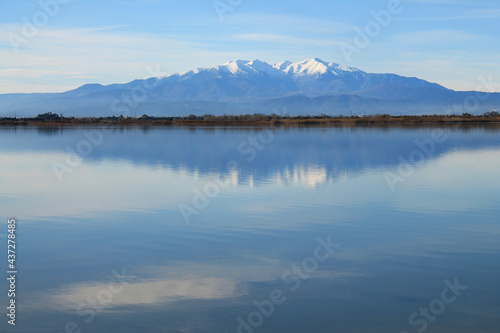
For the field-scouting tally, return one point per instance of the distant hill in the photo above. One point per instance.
(311, 87)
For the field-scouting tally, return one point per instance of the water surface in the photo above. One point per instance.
(199, 229)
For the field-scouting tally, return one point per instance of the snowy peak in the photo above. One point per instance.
(309, 67)
(282, 66)
(317, 67)
(234, 67)
(245, 67)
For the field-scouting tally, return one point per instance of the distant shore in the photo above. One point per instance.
(50, 119)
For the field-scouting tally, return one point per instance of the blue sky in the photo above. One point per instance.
(451, 42)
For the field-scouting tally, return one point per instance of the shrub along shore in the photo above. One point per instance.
(51, 119)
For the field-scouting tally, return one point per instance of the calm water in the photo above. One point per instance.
(247, 230)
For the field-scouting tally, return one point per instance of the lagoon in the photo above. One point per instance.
(232, 229)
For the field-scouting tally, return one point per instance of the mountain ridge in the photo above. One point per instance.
(252, 86)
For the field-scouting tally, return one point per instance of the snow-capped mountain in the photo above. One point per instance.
(286, 68)
(311, 77)
(312, 86)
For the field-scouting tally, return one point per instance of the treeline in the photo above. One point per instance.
(257, 118)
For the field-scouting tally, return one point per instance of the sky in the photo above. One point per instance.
(59, 45)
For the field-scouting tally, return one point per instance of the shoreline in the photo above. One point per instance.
(255, 121)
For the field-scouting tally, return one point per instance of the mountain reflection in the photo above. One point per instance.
(309, 154)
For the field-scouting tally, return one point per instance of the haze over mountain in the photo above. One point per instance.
(311, 87)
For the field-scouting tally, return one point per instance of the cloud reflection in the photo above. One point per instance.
(148, 292)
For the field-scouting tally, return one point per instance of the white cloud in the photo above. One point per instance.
(73, 56)
(451, 2)
(284, 39)
(477, 14)
(291, 23)
(439, 37)
(30, 73)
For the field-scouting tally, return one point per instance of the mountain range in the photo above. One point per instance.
(309, 87)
